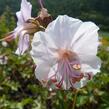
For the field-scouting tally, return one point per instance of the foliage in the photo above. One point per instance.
(7, 22)
(19, 89)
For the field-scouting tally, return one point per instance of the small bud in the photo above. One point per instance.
(4, 44)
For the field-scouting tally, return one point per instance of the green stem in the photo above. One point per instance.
(74, 100)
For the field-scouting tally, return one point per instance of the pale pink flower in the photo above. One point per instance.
(21, 30)
(65, 54)
(23, 15)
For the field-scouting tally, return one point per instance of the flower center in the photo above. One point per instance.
(68, 70)
(70, 56)
(66, 54)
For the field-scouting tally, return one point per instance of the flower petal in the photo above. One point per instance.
(26, 8)
(42, 71)
(90, 64)
(25, 12)
(62, 29)
(23, 44)
(40, 49)
(86, 39)
(20, 18)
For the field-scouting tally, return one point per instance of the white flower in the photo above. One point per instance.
(65, 54)
(23, 15)
(21, 30)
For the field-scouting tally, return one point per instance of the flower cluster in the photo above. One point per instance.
(64, 50)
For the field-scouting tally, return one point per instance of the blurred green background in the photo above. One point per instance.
(19, 89)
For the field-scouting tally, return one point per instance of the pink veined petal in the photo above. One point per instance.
(23, 15)
(42, 71)
(17, 30)
(40, 49)
(26, 8)
(20, 18)
(90, 63)
(86, 39)
(23, 44)
(62, 30)
(25, 12)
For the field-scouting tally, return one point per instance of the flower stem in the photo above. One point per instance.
(74, 100)
(41, 4)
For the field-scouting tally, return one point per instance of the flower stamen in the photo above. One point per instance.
(76, 66)
(68, 70)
